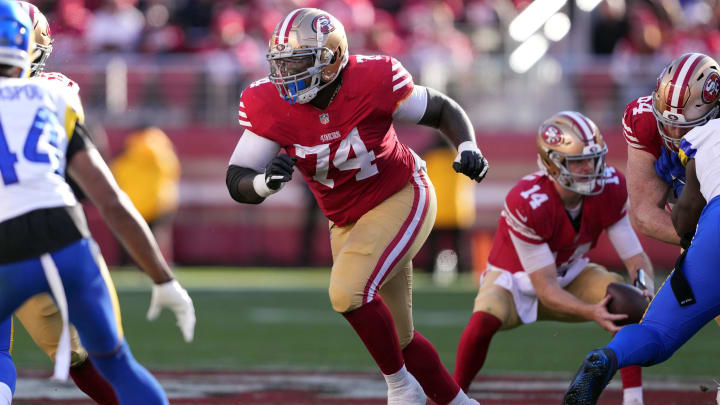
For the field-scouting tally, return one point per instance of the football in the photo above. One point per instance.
(626, 299)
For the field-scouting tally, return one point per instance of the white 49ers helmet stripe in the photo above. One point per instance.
(580, 122)
(284, 31)
(682, 78)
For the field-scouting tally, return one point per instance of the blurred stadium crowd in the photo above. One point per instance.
(600, 54)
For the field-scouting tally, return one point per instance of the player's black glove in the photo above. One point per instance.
(471, 162)
(279, 171)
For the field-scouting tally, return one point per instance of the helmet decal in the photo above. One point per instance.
(552, 135)
(711, 88)
(324, 24)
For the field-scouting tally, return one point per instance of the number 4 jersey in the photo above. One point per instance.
(37, 120)
(348, 153)
(534, 213)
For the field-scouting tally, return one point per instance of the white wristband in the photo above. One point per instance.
(468, 145)
(261, 188)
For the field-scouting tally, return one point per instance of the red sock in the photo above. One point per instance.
(473, 347)
(89, 380)
(374, 323)
(631, 376)
(423, 362)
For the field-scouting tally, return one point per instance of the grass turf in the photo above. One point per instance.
(254, 319)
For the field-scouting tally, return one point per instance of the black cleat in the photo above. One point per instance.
(594, 374)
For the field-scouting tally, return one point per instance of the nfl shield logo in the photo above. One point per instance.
(324, 118)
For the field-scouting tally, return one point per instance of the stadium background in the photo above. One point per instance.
(181, 64)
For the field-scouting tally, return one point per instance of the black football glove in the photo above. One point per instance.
(279, 171)
(472, 164)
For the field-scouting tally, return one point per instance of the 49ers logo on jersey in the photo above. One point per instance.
(323, 23)
(552, 135)
(711, 88)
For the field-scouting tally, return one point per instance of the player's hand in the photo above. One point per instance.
(171, 295)
(471, 162)
(605, 319)
(279, 171)
(645, 284)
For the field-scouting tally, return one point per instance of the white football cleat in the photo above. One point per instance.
(632, 401)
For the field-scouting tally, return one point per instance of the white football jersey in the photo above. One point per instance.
(37, 119)
(703, 144)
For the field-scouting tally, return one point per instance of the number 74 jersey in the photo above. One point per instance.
(534, 213)
(349, 153)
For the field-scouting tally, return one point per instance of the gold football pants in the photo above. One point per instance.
(374, 255)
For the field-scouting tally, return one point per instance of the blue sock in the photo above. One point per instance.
(133, 384)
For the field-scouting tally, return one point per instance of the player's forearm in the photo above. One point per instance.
(554, 297)
(239, 181)
(135, 235)
(655, 223)
(446, 115)
(559, 300)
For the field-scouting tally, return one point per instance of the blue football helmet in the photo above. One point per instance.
(16, 36)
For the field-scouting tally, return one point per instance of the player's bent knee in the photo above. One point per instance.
(341, 299)
(495, 303)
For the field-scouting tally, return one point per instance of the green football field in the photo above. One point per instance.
(250, 319)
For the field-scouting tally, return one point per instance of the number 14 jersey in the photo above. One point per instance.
(349, 153)
(534, 213)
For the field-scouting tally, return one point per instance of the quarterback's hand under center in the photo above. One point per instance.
(173, 296)
(470, 161)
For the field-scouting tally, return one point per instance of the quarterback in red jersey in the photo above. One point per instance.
(686, 95)
(333, 114)
(537, 268)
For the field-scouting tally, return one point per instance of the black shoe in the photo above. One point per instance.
(593, 376)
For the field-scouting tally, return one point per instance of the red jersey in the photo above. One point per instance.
(348, 153)
(640, 127)
(534, 213)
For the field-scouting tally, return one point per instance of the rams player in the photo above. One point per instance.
(43, 233)
(333, 114)
(690, 299)
(537, 268)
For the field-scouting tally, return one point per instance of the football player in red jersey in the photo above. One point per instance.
(537, 269)
(686, 95)
(333, 114)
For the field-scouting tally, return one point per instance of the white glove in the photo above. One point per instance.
(173, 296)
